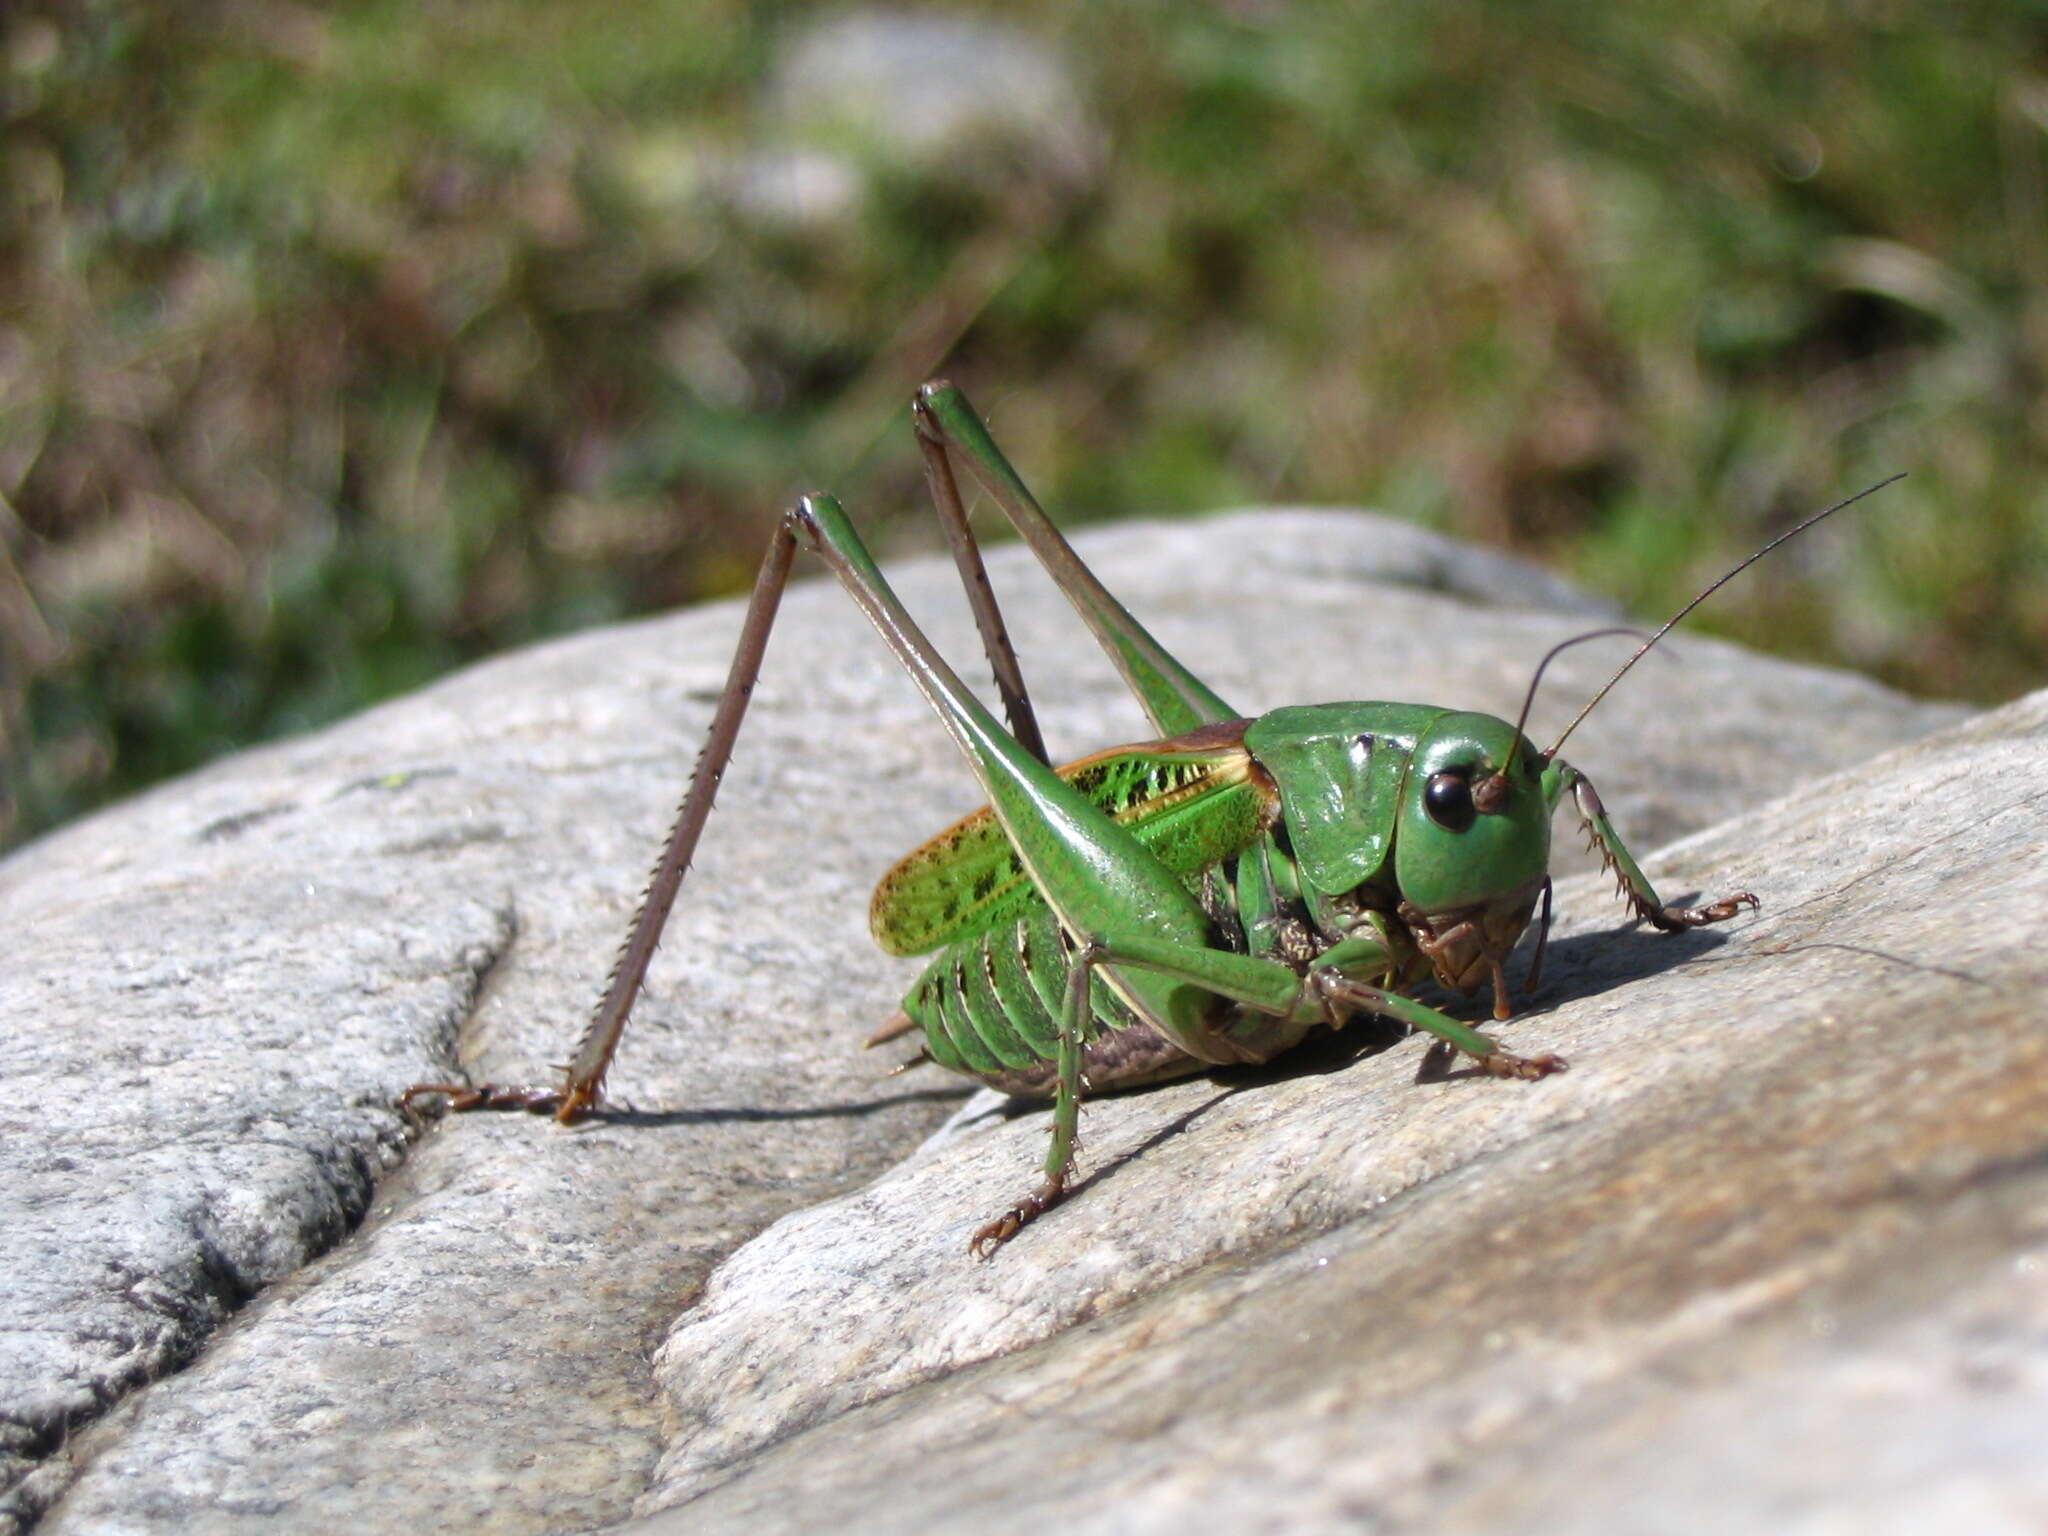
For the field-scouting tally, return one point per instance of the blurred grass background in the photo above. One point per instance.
(340, 345)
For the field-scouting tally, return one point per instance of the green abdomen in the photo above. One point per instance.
(990, 1003)
(991, 998)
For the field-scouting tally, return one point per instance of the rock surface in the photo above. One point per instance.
(1785, 1195)
(1772, 1256)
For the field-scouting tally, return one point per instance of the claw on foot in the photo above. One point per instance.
(1006, 1226)
(462, 1098)
(1671, 919)
(1507, 1064)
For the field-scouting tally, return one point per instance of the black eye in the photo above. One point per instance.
(1448, 799)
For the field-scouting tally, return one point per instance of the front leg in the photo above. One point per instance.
(1635, 886)
(1344, 996)
(1342, 979)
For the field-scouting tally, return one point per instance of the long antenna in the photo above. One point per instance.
(1551, 655)
(1789, 533)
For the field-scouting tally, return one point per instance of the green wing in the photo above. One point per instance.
(1192, 800)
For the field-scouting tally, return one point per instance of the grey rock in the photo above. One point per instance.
(215, 993)
(793, 189)
(853, 101)
(961, 97)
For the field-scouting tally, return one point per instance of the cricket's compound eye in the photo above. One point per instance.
(1448, 799)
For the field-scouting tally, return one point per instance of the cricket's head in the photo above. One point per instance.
(1472, 848)
(1474, 827)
